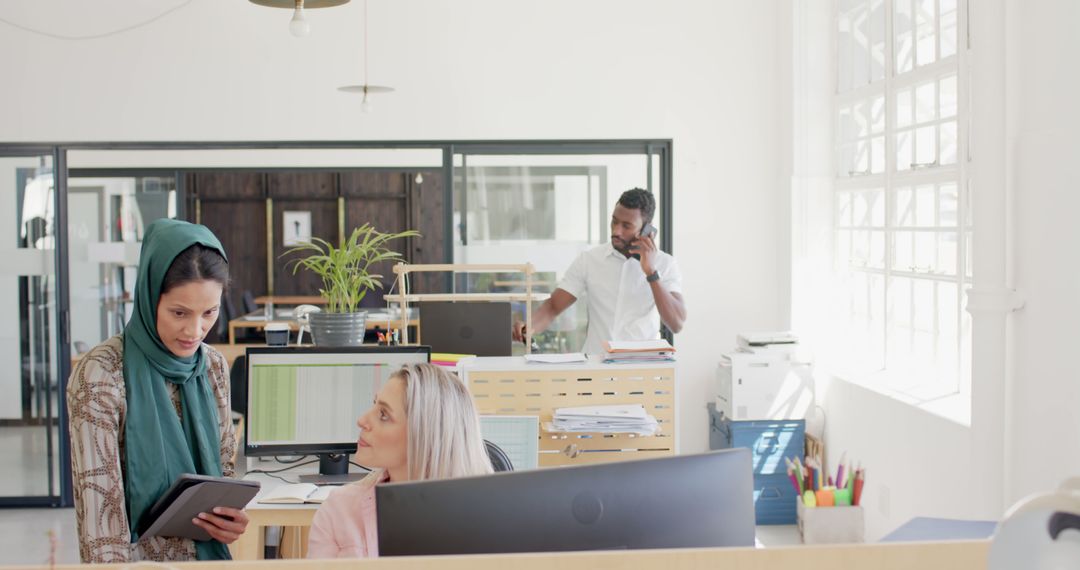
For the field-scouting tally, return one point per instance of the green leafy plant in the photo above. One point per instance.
(345, 270)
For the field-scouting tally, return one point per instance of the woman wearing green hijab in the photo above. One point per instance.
(153, 402)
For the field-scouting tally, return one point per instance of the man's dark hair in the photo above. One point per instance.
(638, 199)
(196, 263)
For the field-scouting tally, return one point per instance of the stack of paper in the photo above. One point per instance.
(604, 419)
(447, 359)
(568, 358)
(631, 351)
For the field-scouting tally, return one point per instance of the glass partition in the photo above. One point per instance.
(29, 414)
(543, 209)
(106, 220)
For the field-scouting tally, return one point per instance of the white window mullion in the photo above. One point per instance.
(890, 169)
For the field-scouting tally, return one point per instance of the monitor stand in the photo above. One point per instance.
(333, 470)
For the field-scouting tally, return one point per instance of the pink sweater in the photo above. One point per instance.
(344, 526)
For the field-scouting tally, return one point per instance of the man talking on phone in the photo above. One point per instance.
(630, 285)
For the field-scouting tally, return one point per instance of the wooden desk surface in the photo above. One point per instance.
(256, 320)
(945, 555)
(291, 299)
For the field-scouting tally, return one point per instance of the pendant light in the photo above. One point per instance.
(366, 88)
(299, 25)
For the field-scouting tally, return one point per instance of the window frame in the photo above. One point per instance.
(848, 178)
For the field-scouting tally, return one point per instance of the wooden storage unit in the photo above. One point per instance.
(511, 386)
(404, 296)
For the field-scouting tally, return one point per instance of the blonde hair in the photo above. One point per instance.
(444, 438)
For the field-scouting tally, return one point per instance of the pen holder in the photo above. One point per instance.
(829, 525)
(277, 334)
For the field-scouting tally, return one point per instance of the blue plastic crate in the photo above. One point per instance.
(769, 441)
(774, 499)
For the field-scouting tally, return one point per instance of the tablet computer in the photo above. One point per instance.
(190, 495)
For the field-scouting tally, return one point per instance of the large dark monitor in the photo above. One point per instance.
(686, 501)
(483, 329)
(305, 400)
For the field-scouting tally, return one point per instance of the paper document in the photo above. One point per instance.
(633, 411)
(556, 358)
(639, 345)
(629, 418)
(296, 493)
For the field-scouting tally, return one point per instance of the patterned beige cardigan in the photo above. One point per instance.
(97, 406)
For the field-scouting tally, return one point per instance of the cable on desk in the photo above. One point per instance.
(290, 461)
(271, 472)
(278, 477)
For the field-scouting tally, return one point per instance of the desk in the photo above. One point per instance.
(252, 544)
(512, 386)
(382, 320)
(291, 300)
(955, 555)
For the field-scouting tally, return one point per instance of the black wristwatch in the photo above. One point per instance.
(654, 276)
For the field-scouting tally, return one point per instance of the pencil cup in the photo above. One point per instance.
(277, 334)
(829, 525)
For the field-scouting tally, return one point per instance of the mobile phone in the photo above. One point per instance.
(647, 230)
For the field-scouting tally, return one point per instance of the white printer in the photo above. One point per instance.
(767, 378)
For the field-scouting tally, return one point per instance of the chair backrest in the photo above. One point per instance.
(228, 313)
(248, 301)
(238, 384)
(499, 460)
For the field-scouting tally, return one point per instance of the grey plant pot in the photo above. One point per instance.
(337, 329)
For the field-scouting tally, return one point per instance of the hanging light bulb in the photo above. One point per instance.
(365, 87)
(419, 178)
(299, 25)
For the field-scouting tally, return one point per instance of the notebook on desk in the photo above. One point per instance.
(297, 493)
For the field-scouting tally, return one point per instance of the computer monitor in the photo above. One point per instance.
(483, 329)
(305, 400)
(686, 501)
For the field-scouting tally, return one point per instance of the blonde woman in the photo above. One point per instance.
(423, 426)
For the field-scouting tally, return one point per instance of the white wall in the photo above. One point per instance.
(1044, 434)
(918, 464)
(702, 73)
(1024, 435)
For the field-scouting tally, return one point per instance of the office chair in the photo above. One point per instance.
(238, 384)
(499, 460)
(228, 313)
(248, 300)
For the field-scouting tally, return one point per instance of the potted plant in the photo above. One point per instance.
(346, 276)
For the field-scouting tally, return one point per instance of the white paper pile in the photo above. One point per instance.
(629, 352)
(630, 418)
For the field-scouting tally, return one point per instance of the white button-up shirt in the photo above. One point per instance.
(620, 301)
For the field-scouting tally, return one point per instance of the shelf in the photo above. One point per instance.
(404, 297)
(526, 268)
(419, 297)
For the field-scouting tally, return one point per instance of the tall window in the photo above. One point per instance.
(901, 207)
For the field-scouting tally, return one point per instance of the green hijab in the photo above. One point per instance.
(160, 446)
